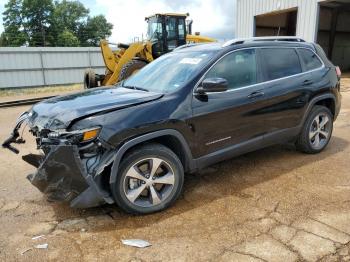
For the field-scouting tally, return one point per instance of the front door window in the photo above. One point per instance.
(238, 68)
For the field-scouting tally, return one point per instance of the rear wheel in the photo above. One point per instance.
(317, 131)
(150, 179)
(130, 68)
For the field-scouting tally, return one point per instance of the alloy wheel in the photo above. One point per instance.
(149, 182)
(320, 130)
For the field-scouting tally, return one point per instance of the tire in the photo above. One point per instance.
(90, 79)
(130, 68)
(143, 195)
(315, 137)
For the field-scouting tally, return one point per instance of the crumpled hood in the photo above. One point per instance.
(59, 112)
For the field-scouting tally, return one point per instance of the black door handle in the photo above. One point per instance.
(307, 82)
(256, 94)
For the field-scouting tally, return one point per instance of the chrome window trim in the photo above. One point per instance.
(261, 83)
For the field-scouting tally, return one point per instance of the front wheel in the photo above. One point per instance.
(90, 79)
(317, 131)
(150, 179)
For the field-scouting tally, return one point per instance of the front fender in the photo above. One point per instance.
(147, 137)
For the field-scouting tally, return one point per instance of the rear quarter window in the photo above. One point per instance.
(309, 59)
(279, 62)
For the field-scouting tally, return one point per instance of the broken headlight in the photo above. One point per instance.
(83, 135)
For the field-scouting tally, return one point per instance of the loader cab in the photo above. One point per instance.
(166, 32)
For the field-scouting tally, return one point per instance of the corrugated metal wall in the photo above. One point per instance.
(35, 66)
(306, 22)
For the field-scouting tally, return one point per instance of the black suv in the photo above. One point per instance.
(131, 144)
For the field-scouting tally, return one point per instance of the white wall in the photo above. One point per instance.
(306, 21)
(42, 66)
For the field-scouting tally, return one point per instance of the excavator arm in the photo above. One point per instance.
(139, 50)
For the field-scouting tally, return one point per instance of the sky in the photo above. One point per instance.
(213, 18)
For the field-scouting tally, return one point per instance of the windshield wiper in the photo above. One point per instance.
(136, 88)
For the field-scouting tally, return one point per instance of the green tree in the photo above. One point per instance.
(44, 23)
(3, 40)
(67, 38)
(96, 28)
(37, 20)
(14, 34)
(70, 15)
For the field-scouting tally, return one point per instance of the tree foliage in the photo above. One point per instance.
(96, 28)
(48, 23)
(67, 38)
(37, 20)
(14, 34)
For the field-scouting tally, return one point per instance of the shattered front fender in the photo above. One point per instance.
(62, 176)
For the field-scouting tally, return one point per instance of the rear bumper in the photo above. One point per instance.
(62, 176)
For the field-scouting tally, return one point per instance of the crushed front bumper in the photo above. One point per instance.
(62, 174)
(62, 177)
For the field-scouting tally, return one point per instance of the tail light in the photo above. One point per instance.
(337, 69)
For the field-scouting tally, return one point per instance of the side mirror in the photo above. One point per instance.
(210, 85)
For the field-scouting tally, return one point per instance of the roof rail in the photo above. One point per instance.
(237, 41)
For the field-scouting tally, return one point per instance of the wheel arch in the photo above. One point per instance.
(168, 137)
(327, 100)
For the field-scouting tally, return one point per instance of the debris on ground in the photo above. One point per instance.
(25, 251)
(37, 237)
(42, 246)
(136, 243)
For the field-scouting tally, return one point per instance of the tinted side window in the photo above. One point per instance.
(279, 62)
(309, 59)
(238, 68)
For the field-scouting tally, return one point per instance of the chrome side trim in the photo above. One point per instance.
(217, 141)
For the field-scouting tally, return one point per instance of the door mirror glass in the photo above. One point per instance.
(210, 85)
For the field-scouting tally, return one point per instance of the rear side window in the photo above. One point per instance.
(309, 59)
(238, 68)
(279, 62)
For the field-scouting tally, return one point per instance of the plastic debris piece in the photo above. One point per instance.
(37, 237)
(136, 243)
(42, 246)
(25, 251)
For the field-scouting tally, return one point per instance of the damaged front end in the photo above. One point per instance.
(72, 165)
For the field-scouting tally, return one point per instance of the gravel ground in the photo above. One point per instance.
(271, 205)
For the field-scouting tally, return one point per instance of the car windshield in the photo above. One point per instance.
(169, 72)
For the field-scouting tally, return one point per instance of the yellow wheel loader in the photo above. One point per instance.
(165, 33)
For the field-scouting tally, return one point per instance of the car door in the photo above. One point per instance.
(229, 118)
(286, 91)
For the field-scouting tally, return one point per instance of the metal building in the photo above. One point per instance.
(326, 22)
